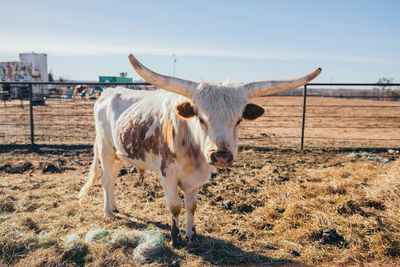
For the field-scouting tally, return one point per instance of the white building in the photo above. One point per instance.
(31, 67)
(39, 65)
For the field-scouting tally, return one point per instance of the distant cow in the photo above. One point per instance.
(181, 132)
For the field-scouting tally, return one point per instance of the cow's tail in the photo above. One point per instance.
(93, 173)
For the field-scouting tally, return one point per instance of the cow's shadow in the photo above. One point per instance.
(222, 252)
(218, 251)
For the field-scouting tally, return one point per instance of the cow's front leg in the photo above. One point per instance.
(116, 168)
(174, 204)
(190, 207)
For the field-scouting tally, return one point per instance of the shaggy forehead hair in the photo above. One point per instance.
(218, 99)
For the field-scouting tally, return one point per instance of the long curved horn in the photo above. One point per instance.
(175, 85)
(255, 89)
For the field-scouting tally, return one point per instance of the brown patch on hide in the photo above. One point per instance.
(185, 110)
(168, 134)
(175, 210)
(192, 209)
(132, 135)
(167, 145)
(194, 235)
(193, 150)
(188, 150)
(174, 234)
(164, 165)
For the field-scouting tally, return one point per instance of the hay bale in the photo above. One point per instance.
(148, 245)
(96, 235)
(119, 239)
(71, 240)
(150, 248)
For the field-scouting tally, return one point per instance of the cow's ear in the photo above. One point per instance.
(252, 111)
(185, 110)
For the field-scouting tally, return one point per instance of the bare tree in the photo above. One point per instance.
(51, 76)
(388, 91)
(385, 82)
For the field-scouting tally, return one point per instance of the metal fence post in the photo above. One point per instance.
(31, 114)
(303, 118)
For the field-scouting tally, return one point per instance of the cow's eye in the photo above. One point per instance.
(239, 121)
(201, 121)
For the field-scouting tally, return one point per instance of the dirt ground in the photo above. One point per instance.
(273, 207)
(330, 122)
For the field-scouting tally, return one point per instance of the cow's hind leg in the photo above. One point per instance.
(174, 204)
(141, 176)
(116, 168)
(107, 160)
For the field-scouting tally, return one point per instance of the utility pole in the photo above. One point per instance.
(174, 60)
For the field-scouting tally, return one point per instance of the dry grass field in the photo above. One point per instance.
(330, 122)
(274, 206)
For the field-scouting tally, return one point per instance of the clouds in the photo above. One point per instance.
(80, 45)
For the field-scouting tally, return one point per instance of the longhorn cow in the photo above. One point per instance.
(182, 131)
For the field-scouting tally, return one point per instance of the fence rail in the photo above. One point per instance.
(52, 118)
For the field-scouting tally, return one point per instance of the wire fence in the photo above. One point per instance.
(62, 114)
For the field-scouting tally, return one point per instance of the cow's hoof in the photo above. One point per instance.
(191, 236)
(108, 215)
(191, 239)
(176, 244)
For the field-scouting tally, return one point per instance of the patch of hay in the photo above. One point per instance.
(14, 247)
(148, 245)
(96, 235)
(71, 239)
(124, 239)
(151, 247)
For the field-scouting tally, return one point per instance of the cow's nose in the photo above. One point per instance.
(221, 158)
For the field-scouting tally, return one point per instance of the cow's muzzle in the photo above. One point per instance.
(221, 158)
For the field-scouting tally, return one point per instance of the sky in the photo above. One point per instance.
(213, 40)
